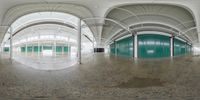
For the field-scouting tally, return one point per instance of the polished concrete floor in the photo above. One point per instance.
(40, 62)
(104, 77)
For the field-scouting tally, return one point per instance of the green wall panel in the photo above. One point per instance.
(23, 49)
(58, 48)
(153, 46)
(47, 47)
(29, 48)
(112, 48)
(180, 48)
(125, 47)
(35, 48)
(66, 49)
(6, 49)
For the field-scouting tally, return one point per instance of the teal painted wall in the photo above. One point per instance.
(58, 48)
(112, 48)
(47, 47)
(181, 48)
(153, 46)
(23, 49)
(124, 47)
(66, 49)
(6, 49)
(35, 48)
(29, 48)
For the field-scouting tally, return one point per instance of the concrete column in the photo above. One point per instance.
(2, 47)
(54, 45)
(79, 41)
(136, 46)
(171, 46)
(93, 45)
(68, 45)
(11, 44)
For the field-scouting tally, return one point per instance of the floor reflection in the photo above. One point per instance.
(46, 62)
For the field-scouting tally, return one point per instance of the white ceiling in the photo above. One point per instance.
(10, 10)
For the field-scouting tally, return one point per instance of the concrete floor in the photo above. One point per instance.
(41, 62)
(104, 77)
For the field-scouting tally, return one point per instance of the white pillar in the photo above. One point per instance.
(68, 52)
(39, 45)
(54, 45)
(11, 44)
(93, 45)
(136, 46)
(171, 46)
(79, 41)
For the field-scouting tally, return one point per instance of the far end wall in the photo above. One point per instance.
(149, 46)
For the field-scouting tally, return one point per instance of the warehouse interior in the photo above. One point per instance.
(100, 50)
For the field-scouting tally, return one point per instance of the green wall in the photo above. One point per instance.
(6, 49)
(153, 46)
(35, 48)
(112, 48)
(124, 47)
(58, 48)
(149, 46)
(23, 49)
(66, 49)
(181, 48)
(47, 47)
(29, 48)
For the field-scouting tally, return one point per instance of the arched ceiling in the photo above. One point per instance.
(153, 17)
